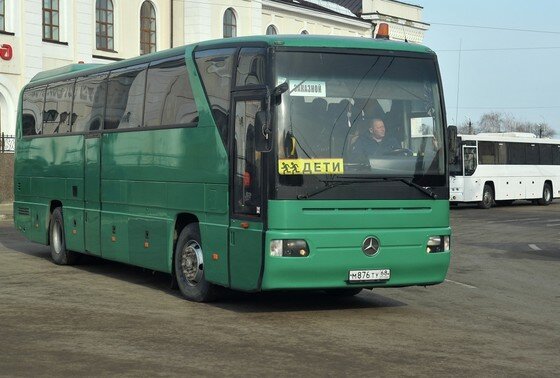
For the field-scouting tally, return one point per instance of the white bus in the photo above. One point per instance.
(499, 168)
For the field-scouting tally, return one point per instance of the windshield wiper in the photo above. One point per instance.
(424, 189)
(333, 184)
(330, 185)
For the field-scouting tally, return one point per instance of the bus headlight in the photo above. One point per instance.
(289, 248)
(438, 244)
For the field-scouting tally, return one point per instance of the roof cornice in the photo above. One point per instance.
(327, 14)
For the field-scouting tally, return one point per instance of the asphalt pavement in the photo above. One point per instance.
(497, 314)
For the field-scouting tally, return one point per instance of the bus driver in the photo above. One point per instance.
(372, 144)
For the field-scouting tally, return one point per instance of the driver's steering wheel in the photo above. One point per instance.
(400, 152)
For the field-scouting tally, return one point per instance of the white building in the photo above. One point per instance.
(37, 35)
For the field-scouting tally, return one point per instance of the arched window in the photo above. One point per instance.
(271, 30)
(104, 28)
(304, 32)
(147, 28)
(51, 22)
(230, 24)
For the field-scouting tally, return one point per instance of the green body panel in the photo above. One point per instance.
(122, 194)
(335, 231)
(245, 246)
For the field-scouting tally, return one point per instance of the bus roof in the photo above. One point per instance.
(509, 137)
(296, 40)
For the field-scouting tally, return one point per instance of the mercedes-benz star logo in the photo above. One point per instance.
(370, 246)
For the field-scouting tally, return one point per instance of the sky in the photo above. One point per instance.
(515, 72)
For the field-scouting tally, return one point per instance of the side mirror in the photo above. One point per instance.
(263, 134)
(452, 142)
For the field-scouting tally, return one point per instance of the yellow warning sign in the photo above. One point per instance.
(310, 166)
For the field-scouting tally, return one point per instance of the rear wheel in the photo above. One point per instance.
(487, 197)
(189, 267)
(59, 253)
(546, 196)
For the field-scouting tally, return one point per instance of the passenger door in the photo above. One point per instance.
(247, 196)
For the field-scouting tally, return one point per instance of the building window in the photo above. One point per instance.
(230, 24)
(104, 25)
(147, 28)
(2, 15)
(271, 30)
(51, 24)
(304, 32)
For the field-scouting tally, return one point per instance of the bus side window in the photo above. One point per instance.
(58, 105)
(216, 70)
(125, 98)
(89, 103)
(169, 97)
(251, 68)
(32, 114)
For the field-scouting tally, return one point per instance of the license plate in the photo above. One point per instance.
(369, 275)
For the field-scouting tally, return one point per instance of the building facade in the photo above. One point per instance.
(38, 35)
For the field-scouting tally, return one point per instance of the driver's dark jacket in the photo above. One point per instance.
(365, 148)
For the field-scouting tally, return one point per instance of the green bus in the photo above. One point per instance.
(243, 163)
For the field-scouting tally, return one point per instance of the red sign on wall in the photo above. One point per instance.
(6, 52)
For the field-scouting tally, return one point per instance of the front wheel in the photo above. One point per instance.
(189, 267)
(60, 255)
(546, 196)
(487, 198)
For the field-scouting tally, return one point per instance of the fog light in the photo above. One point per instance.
(289, 248)
(438, 244)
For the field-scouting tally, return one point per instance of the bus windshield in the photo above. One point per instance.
(358, 117)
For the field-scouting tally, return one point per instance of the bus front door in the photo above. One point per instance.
(92, 182)
(246, 226)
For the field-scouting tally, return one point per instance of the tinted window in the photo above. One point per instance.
(125, 98)
(556, 154)
(216, 67)
(32, 114)
(532, 153)
(487, 152)
(501, 153)
(516, 153)
(58, 108)
(545, 152)
(89, 102)
(251, 69)
(169, 97)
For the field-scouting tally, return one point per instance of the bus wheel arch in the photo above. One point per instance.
(547, 194)
(188, 266)
(57, 240)
(52, 206)
(488, 195)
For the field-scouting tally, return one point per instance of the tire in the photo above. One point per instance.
(546, 196)
(344, 292)
(487, 197)
(189, 267)
(59, 254)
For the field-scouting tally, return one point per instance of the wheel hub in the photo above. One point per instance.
(191, 262)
